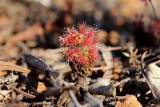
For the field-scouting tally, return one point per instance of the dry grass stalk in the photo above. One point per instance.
(10, 66)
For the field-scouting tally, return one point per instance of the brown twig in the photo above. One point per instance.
(144, 76)
(102, 68)
(73, 97)
(42, 103)
(154, 11)
(12, 67)
(28, 34)
(24, 93)
(121, 82)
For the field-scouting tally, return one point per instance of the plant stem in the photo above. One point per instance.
(154, 11)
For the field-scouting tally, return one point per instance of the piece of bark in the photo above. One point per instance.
(35, 63)
(4, 94)
(92, 101)
(41, 87)
(102, 87)
(40, 66)
(53, 92)
(3, 73)
(102, 90)
(153, 76)
(128, 101)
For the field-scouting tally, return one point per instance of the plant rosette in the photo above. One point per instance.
(80, 47)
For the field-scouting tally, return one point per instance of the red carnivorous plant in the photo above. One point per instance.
(80, 47)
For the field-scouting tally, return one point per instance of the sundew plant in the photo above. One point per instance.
(81, 45)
